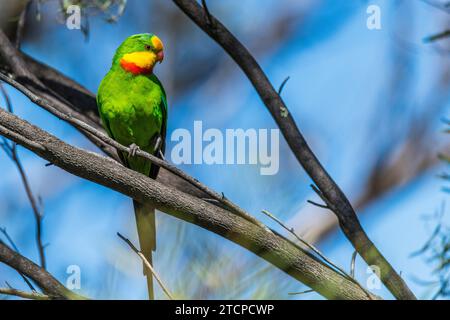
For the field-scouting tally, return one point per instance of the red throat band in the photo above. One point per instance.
(134, 69)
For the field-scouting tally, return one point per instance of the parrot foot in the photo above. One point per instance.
(133, 149)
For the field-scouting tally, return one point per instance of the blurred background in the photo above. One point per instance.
(373, 105)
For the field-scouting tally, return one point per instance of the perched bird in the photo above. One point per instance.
(133, 108)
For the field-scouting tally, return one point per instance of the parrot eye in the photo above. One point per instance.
(147, 47)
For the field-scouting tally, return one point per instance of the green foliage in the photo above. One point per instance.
(437, 249)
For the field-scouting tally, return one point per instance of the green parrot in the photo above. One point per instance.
(133, 108)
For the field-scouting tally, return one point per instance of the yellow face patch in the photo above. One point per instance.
(142, 59)
(157, 43)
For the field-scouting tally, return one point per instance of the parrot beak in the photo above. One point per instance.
(160, 56)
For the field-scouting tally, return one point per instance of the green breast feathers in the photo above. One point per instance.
(133, 109)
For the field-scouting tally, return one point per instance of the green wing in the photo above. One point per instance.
(109, 98)
(107, 128)
(154, 170)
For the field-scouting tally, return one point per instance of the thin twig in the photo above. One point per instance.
(280, 89)
(37, 213)
(301, 292)
(147, 264)
(6, 97)
(23, 294)
(440, 6)
(352, 264)
(14, 156)
(318, 204)
(321, 195)
(306, 243)
(314, 249)
(207, 13)
(14, 246)
(438, 36)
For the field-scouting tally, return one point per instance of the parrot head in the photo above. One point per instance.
(139, 53)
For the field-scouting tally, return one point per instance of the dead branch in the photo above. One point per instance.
(147, 264)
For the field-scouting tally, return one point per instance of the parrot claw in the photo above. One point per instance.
(133, 149)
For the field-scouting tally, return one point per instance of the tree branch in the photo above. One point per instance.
(336, 199)
(313, 249)
(147, 264)
(43, 279)
(23, 294)
(14, 246)
(270, 246)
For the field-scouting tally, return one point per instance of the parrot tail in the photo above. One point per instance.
(146, 227)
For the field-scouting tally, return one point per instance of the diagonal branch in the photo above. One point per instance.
(270, 246)
(147, 264)
(313, 249)
(45, 280)
(336, 199)
(34, 205)
(23, 294)
(11, 151)
(14, 246)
